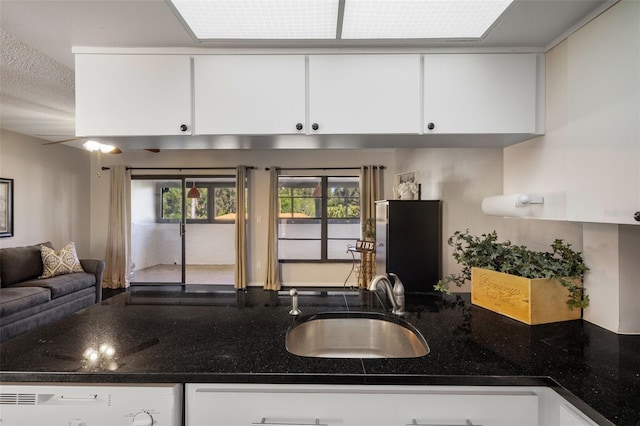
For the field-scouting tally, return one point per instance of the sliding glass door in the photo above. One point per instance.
(182, 230)
(157, 230)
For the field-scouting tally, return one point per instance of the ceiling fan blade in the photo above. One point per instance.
(154, 150)
(115, 150)
(63, 141)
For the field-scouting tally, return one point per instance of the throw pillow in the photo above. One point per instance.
(64, 261)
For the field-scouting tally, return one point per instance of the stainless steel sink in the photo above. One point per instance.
(355, 335)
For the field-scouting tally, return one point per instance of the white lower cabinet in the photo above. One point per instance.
(252, 404)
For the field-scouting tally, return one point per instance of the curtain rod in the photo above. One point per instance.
(321, 168)
(179, 168)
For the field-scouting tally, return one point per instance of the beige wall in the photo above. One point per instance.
(461, 178)
(51, 192)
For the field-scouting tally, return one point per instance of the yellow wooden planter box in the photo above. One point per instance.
(532, 301)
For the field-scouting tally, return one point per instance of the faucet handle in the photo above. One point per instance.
(398, 294)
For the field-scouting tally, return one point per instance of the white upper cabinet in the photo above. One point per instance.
(133, 95)
(363, 94)
(603, 155)
(249, 94)
(482, 93)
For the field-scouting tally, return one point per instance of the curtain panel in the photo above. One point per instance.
(370, 192)
(242, 183)
(116, 272)
(272, 279)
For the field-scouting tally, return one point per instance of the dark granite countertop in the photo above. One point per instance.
(165, 337)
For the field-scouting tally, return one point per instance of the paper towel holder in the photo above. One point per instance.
(524, 200)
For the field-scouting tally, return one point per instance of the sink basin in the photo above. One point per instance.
(355, 335)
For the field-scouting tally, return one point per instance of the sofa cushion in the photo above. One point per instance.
(15, 299)
(63, 261)
(62, 284)
(39, 315)
(20, 264)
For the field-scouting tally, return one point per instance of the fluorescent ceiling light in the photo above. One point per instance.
(417, 19)
(260, 19)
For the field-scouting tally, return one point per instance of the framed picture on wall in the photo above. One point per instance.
(6, 207)
(405, 186)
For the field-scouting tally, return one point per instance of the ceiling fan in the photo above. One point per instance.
(114, 150)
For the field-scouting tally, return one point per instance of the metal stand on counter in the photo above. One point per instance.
(367, 268)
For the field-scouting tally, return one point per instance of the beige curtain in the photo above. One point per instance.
(272, 279)
(242, 179)
(116, 272)
(370, 192)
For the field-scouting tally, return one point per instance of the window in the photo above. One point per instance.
(319, 217)
(217, 202)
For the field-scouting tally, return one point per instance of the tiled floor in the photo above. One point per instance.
(195, 274)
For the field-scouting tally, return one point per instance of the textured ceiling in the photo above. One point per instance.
(37, 93)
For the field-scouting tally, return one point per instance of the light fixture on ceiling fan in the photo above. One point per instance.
(92, 146)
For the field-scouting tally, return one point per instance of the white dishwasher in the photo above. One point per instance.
(57, 404)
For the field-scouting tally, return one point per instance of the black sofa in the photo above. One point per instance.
(28, 302)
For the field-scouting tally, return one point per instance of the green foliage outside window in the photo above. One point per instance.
(303, 199)
(225, 201)
(171, 203)
(199, 209)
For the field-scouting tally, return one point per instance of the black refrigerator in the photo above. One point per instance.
(409, 242)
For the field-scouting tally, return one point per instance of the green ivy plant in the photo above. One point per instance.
(486, 252)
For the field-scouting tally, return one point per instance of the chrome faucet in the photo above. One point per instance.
(396, 295)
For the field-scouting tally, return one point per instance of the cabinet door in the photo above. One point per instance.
(133, 95)
(603, 155)
(480, 93)
(249, 94)
(364, 94)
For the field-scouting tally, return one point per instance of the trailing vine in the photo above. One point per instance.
(485, 251)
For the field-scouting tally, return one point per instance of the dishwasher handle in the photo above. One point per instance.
(415, 423)
(266, 423)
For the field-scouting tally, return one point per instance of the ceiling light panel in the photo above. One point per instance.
(260, 19)
(416, 19)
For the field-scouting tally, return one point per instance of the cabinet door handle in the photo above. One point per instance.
(431, 126)
(315, 126)
(414, 423)
(183, 127)
(299, 126)
(265, 422)
(636, 216)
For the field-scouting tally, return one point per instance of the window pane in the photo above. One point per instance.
(299, 229)
(337, 249)
(343, 229)
(171, 203)
(197, 207)
(225, 203)
(299, 249)
(300, 196)
(343, 197)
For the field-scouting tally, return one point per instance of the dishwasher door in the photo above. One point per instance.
(55, 404)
